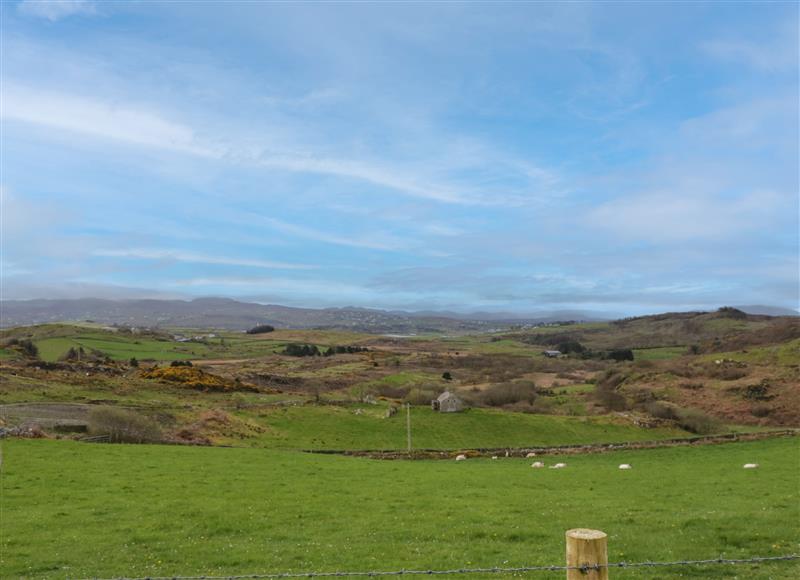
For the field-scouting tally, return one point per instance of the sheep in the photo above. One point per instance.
(625, 466)
(494, 456)
(751, 465)
(558, 466)
(529, 455)
(461, 457)
(537, 464)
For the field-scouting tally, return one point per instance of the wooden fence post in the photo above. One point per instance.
(587, 548)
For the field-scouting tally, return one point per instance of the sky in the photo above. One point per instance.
(515, 157)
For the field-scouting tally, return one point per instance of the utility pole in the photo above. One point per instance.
(408, 426)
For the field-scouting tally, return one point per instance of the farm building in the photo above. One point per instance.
(552, 353)
(447, 402)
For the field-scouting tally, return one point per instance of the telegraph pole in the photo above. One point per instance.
(408, 426)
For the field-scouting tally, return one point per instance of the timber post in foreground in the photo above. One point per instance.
(587, 548)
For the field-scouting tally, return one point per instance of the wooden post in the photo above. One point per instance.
(587, 548)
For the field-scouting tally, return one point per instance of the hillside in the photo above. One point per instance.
(225, 313)
(691, 373)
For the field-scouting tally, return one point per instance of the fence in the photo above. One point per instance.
(587, 559)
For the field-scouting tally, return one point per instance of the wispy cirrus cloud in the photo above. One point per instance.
(776, 53)
(54, 10)
(197, 258)
(93, 117)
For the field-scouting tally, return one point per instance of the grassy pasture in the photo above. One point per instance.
(120, 347)
(659, 353)
(55, 340)
(784, 354)
(82, 510)
(332, 427)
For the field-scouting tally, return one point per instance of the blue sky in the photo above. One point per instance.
(629, 158)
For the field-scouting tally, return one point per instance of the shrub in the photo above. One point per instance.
(620, 354)
(195, 378)
(695, 421)
(727, 373)
(134, 362)
(509, 393)
(301, 350)
(261, 329)
(606, 393)
(447, 376)
(761, 410)
(759, 392)
(418, 396)
(181, 363)
(25, 346)
(391, 391)
(123, 426)
(571, 346)
(661, 411)
(338, 349)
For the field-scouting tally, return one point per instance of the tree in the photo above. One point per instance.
(261, 329)
(28, 348)
(621, 354)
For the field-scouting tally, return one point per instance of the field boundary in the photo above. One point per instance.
(582, 570)
(572, 449)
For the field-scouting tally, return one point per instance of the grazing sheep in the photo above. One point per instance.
(529, 455)
(751, 465)
(494, 456)
(625, 466)
(506, 453)
(558, 466)
(461, 457)
(537, 464)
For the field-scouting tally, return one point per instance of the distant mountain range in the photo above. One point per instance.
(232, 314)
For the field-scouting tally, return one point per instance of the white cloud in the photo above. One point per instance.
(190, 257)
(141, 126)
(374, 242)
(686, 216)
(53, 10)
(100, 119)
(777, 54)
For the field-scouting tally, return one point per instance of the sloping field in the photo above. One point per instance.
(83, 510)
(333, 427)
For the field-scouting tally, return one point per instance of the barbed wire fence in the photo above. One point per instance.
(582, 569)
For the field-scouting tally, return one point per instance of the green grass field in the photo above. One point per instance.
(333, 427)
(54, 340)
(82, 510)
(659, 353)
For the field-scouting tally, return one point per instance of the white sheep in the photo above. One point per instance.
(537, 464)
(529, 455)
(751, 465)
(625, 466)
(461, 457)
(494, 456)
(558, 466)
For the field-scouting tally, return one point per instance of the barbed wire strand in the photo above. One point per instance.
(494, 570)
